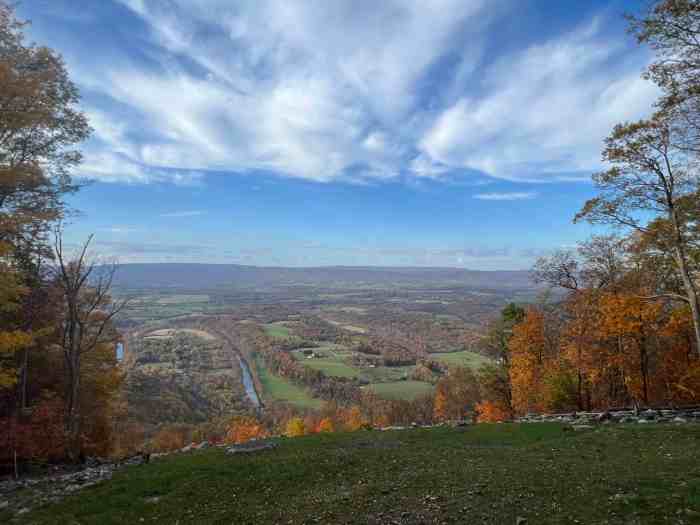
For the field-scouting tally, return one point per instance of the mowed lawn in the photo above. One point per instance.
(280, 389)
(495, 474)
(464, 358)
(401, 389)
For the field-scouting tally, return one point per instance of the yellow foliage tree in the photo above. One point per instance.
(295, 427)
(10, 343)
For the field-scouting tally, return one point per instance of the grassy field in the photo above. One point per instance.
(333, 362)
(385, 381)
(482, 474)
(401, 389)
(464, 358)
(279, 389)
(277, 330)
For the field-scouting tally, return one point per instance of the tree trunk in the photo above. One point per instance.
(688, 283)
(72, 416)
(692, 293)
(23, 380)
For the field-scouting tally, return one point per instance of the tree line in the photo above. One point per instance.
(625, 326)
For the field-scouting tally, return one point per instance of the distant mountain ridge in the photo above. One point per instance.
(211, 276)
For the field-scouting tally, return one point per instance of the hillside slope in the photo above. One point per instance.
(481, 474)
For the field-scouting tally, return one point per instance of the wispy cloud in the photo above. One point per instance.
(119, 229)
(193, 213)
(326, 92)
(506, 196)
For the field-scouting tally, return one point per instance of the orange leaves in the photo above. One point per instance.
(527, 348)
(353, 419)
(325, 425)
(455, 395)
(626, 315)
(490, 412)
(440, 412)
(244, 428)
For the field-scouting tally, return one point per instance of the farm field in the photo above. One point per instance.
(492, 474)
(277, 330)
(280, 389)
(464, 358)
(401, 389)
(333, 363)
(390, 382)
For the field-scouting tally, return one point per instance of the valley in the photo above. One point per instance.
(222, 349)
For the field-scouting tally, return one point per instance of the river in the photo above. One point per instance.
(248, 383)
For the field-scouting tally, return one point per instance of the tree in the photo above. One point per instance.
(494, 380)
(671, 28)
(244, 428)
(86, 323)
(325, 425)
(456, 395)
(39, 125)
(295, 427)
(650, 177)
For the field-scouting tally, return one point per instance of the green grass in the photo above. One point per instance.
(278, 331)
(464, 358)
(333, 362)
(401, 389)
(484, 474)
(385, 374)
(280, 389)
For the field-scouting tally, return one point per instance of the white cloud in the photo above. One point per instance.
(313, 91)
(508, 196)
(345, 90)
(544, 112)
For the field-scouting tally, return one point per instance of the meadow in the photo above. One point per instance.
(464, 358)
(495, 474)
(277, 388)
(277, 330)
(401, 389)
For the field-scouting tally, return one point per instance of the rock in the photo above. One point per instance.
(4, 504)
(679, 419)
(520, 521)
(603, 416)
(643, 421)
(187, 448)
(245, 448)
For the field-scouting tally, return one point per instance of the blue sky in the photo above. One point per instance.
(444, 133)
